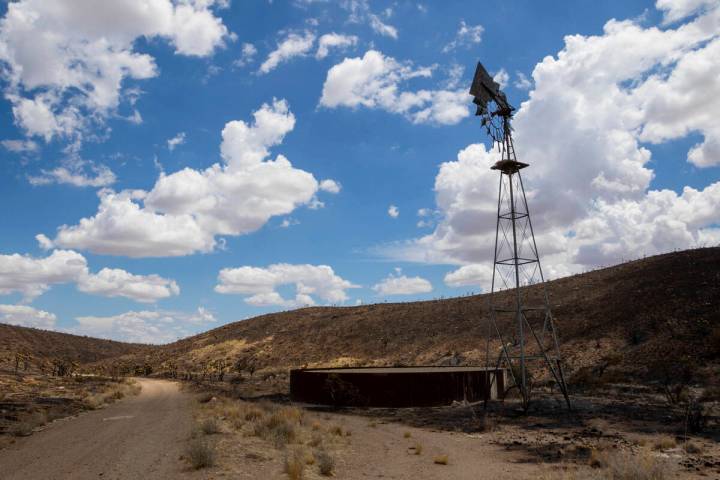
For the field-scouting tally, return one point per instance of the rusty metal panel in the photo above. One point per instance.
(395, 387)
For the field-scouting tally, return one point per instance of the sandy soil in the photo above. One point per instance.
(141, 437)
(383, 450)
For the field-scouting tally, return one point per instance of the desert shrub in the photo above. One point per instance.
(407, 435)
(205, 397)
(26, 426)
(440, 459)
(294, 465)
(278, 427)
(664, 442)
(626, 466)
(210, 426)
(315, 440)
(21, 429)
(676, 375)
(253, 413)
(200, 453)
(336, 430)
(417, 448)
(326, 463)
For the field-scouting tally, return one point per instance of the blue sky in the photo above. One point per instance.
(623, 165)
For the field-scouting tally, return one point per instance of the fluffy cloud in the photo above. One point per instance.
(398, 284)
(261, 283)
(145, 326)
(374, 81)
(334, 41)
(360, 13)
(502, 78)
(26, 317)
(582, 130)
(522, 82)
(173, 142)
(66, 60)
(294, 45)
(381, 27)
(248, 52)
(20, 146)
(114, 282)
(467, 35)
(33, 276)
(330, 186)
(675, 10)
(77, 174)
(186, 210)
(470, 275)
(393, 211)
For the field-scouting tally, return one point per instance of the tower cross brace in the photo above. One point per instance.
(521, 319)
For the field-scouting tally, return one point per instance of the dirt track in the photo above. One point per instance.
(140, 437)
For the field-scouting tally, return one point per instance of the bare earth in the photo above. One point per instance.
(141, 437)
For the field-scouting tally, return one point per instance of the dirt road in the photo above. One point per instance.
(140, 437)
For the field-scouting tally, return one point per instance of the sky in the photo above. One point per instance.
(169, 166)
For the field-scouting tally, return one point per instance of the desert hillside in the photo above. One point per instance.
(628, 318)
(43, 346)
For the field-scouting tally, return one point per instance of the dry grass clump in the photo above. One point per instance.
(294, 464)
(26, 426)
(326, 463)
(417, 448)
(210, 426)
(280, 427)
(630, 466)
(440, 459)
(664, 442)
(302, 440)
(200, 453)
(205, 397)
(116, 391)
(407, 435)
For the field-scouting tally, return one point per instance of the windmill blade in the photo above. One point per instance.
(485, 90)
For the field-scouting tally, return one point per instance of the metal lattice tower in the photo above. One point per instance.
(520, 317)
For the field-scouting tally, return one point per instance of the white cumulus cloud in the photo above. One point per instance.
(20, 146)
(185, 211)
(398, 284)
(466, 36)
(261, 283)
(247, 55)
(144, 326)
(294, 45)
(66, 60)
(173, 142)
(334, 41)
(393, 211)
(115, 282)
(582, 130)
(330, 186)
(382, 28)
(26, 316)
(77, 174)
(31, 277)
(375, 81)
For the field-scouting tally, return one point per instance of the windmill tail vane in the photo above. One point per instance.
(520, 317)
